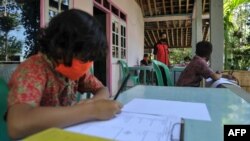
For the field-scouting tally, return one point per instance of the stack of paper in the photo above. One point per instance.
(187, 110)
(215, 84)
(146, 120)
(133, 127)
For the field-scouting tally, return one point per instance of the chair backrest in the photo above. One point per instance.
(3, 104)
(124, 68)
(6, 71)
(176, 72)
(88, 94)
(92, 69)
(159, 75)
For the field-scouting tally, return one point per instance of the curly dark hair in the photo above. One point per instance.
(73, 33)
(204, 49)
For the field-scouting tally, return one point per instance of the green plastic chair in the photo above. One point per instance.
(176, 72)
(6, 71)
(88, 95)
(159, 76)
(3, 104)
(125, 71)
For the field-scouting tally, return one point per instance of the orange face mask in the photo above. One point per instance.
(77, 69)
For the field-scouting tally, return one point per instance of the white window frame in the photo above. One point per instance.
(58, 9)
(124, 38)
(118, 56)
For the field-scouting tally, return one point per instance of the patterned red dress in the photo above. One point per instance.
(36, 82)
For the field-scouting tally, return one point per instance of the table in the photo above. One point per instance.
(142, 68)
(224, 106)
(237, 90)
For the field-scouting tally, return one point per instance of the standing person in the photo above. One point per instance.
(198, 67)
(161, 50)
(42, 90)
(162, 54)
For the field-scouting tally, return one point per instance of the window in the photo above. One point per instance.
(118, 30)
(57, 6)
(65, 2)
(115, 10)
(123, 16)
(98, 1)
(123, 42)
(115, 38)
(52, 13)
(106, 4)
(119, 49)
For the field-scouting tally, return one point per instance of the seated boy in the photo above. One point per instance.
(145, 62)
(198, 67)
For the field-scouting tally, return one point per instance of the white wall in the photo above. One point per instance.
(135, 37)
(85, 5)
(135, 25)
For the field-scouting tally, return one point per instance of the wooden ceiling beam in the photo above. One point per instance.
(168, 18)
(194, 10)
(168, 37)
(174, 24)
(152, 43)
(165, 28)
(158, 25)
(203, 6)
(172, 7)
(173, 17)
(164, 7)
(147, 41)
(203, 16)
(149, 7)
(177, 37)
(167, 24)
(142, 7)
(187, 6)
(186, 36)
(158, 35)
(156, 11)
(179, 6)
(172, 34)
(182, 37)
(154, 36)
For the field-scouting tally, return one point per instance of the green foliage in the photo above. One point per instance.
(242, 57)
(235, 32)
(9, 20)
(14, 47)
(8, 23)
(177, 54)
(9, 7)
(30, 20)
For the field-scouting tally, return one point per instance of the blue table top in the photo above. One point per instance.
(224, 107)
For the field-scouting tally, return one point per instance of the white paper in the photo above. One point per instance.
(188, 110)
(223, 81)
(133, 127)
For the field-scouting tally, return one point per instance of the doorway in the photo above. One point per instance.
(100, 65)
